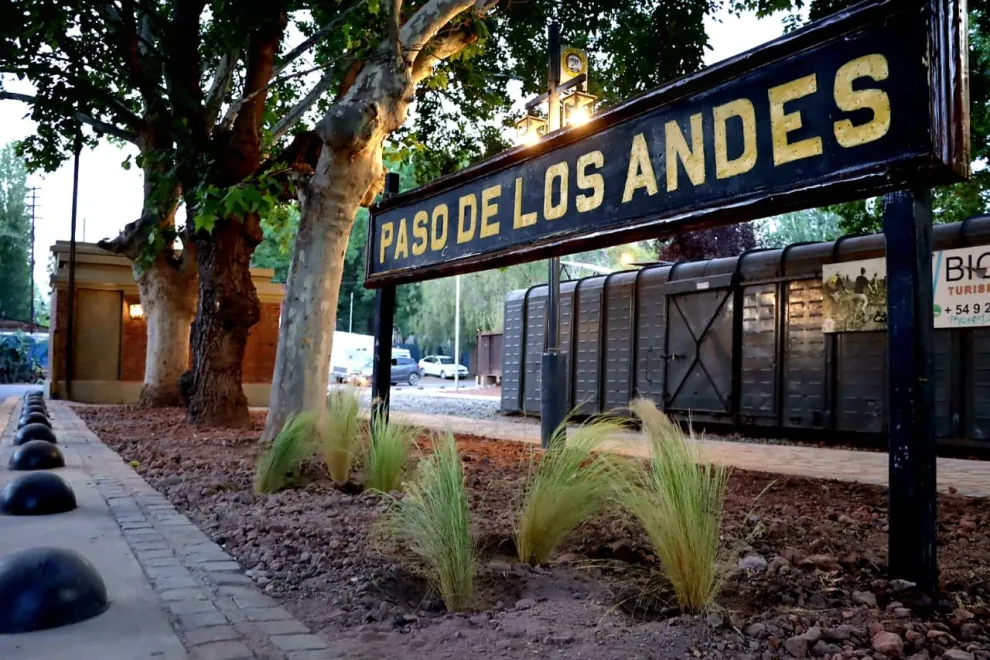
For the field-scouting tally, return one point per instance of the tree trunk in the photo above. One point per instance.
(228, 308)
(168, 299)
(309, 313)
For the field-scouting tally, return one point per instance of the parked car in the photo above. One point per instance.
(442, 366)
(404, 370)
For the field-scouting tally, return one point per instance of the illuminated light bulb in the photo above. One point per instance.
(578, 116)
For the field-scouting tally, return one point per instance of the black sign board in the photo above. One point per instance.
(867, 101)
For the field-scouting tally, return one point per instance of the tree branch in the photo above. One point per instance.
(293, 116)
(440, 49)
(432, 17)
(108, 129)
(299, 50)
(220, 86)
(14, 96)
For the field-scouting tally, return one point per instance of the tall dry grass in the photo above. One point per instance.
(432, 519)
(294, 443)
(679, 497)
(572, 483)
(389, 444)
(339, 430)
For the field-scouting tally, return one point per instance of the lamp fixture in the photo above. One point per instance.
(134, 311)
(578, 107)
(530, 129)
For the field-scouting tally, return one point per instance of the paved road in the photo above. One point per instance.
(967, 477)
(16, 389)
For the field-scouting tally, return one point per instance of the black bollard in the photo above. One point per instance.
(33, 432)
(36, 455)
(34, 418)
(42, 588)
(37, 494)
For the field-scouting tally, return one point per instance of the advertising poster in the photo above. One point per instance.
(855, 292)
(962, 287)
(854, 296)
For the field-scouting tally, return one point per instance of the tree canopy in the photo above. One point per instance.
(15, 233)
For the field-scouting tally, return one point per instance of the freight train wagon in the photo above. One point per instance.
(739, 341)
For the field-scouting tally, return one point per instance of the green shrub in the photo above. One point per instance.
(572, 483)
(295, 442)
(339, 430)
(678, 497)
(389, 443)
(432, 518)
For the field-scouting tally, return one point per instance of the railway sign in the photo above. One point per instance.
(869, 100)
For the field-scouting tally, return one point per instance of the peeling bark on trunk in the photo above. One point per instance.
(168, 298)
(309, 314)
(228, 307)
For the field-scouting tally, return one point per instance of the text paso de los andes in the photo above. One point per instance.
(856, 103)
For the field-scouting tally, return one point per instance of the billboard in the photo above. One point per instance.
(854, 293)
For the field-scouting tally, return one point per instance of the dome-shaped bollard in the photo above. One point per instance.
(43, 588)
(34, 393)
(37, 494)
(36, 455)
(35, 431)
(34, 418)
(35, 402)
(28, 409)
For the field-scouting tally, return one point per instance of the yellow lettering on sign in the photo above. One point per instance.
(520, 219)
(693, 157)
(438, 237)
(385, 240)
(489, 210)
(782, 123)
(640, 173)
(420, 232)
(553, 211)
(402, 241)
(848, 99)
(593, 182)
(724, 166)
(465, 233)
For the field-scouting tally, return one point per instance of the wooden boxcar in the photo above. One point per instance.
(739, 341)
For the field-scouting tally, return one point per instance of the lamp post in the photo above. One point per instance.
(567, 102)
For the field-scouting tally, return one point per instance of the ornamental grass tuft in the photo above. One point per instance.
(432, 519)
(389, 444)
(339, 432)
(572, 483)
(679, 498)
(294, 443)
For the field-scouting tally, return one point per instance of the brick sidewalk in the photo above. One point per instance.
(215, 610)
(967, 477)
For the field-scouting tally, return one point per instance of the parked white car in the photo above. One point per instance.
(442, 366)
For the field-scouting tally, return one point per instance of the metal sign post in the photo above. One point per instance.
(553, 394)
(907, 227)
(384, 323)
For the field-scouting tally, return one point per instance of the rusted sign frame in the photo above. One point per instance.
(949, 161)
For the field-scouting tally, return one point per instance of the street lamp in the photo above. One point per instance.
(530, 129)
(568, 103)
(578, 107)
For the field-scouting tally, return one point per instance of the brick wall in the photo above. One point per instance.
(259, 355)
(133, 341)
(262, 343)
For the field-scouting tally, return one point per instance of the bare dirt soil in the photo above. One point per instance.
(808, 559)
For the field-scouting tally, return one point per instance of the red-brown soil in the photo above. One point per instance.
(319, 551)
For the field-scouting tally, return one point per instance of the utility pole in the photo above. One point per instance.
(350, 318)
(553, 401)
(34, 206)
(457, 331)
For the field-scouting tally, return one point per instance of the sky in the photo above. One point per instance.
(110, 197)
